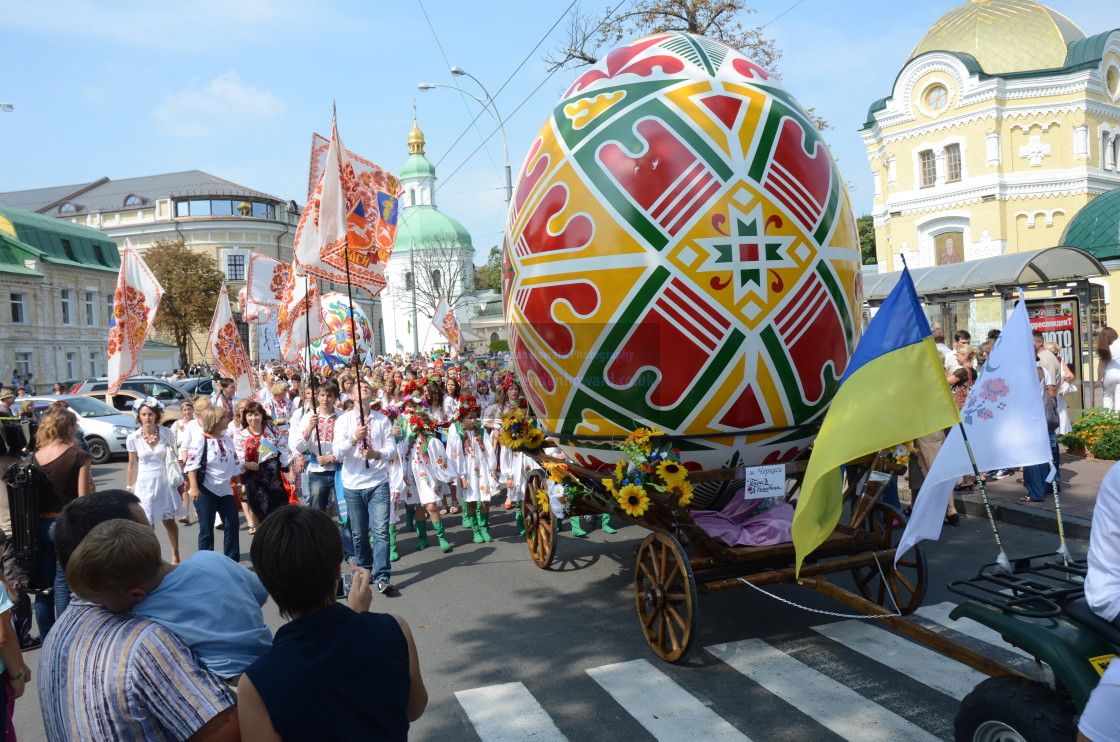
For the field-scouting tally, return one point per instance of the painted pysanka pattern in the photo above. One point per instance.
(681, 253)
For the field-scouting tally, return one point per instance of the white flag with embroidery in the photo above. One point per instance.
(226, 350)
(1006, 426)
(447, 324)
(134, 310)
(300, 318)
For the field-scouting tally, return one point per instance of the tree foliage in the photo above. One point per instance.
(866, 226)
(191, 283)
(587, 36)
(489, 277)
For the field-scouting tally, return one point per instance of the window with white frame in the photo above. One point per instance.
(67, 306)
(109, 305)
(19, 308)
(91, 309)
(71, 364)
(927, 164)
(953, 163)
(23, 365)
(93, 359)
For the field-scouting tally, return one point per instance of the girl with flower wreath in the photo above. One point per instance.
(180, 431)
(399, 483)
(426, 468)
(263, 449)
(512, 465)
(146, 476)
(472, 458)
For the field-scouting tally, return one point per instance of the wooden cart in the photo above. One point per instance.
(678, 560)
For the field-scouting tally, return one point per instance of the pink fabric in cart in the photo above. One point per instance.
(737, 524)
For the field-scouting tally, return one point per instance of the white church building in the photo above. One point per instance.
(433, 257)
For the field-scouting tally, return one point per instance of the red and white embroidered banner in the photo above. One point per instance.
(447, 324)
(251, 312)
(134, 309)
(300, 315)
(225, 348)
(350, 218)
(266, 279)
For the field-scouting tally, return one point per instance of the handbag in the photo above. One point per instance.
(171, 466)
(1050, 405)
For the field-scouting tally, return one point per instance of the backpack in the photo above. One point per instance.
(26, 480)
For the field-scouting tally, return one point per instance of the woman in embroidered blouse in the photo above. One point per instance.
(212, 490)
(181, 430)
(146, 476)
(263, 449)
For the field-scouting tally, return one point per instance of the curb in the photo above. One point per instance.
(1040, 518)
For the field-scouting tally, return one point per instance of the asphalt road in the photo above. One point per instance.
(554, 654)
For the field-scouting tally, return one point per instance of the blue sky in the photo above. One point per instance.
(236, 88)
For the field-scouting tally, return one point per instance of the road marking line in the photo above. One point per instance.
(921, 663)
(832, 704)
(666, 710)
(508, 713)
(939, 614)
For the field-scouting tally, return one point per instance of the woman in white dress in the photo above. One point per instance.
(147, 470)
(1108, 366)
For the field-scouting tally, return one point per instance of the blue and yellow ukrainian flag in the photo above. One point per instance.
(894, 390)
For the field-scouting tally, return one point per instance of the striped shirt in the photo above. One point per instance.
(113, 677)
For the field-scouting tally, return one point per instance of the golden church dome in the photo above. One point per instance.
(1003, 35)
(415, 140)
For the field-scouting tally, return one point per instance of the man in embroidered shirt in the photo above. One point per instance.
(114, 678)
(364, 444)
(314, 432)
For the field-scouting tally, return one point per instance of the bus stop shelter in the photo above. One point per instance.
(978, 295)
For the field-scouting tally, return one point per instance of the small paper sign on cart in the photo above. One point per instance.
(764, 481)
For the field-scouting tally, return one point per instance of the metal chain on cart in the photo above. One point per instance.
(780, 599)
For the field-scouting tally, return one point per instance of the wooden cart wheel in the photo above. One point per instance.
(540, 527)
(665, 590)
(907, 580)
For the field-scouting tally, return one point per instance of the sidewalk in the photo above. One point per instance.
(1081, 478)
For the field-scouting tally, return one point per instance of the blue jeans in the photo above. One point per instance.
(207, 506)
(320, 487)
(369, 517)
(347, 536)
(46, 605)
(1034, 477)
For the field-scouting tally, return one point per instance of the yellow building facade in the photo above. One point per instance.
(1003, 123)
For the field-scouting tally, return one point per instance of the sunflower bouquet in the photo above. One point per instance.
(520, 432)
(648, 467)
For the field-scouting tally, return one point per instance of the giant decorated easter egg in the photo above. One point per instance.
(338, 347)
(681, 254)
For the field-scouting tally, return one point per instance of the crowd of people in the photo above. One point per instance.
(325, 471)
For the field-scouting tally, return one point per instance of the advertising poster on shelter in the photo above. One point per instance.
(1057, 320)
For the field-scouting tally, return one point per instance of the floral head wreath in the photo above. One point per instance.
(408, 388)
(421, 422)
(151, 402)
(468, 406)
(508, 381)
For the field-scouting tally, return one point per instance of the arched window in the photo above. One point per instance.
(411, 196)
(1107, 159)
(67, 208)
(494, 336)
(132, 200)
(436, 283)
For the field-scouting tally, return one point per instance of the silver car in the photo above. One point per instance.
(104, 428)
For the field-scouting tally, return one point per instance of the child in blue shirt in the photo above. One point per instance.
(210, 602)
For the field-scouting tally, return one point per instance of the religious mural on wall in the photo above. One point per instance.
(949, 247)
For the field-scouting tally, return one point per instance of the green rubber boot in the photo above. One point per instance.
(409, 518)
(476, 527)
(421, 535)
(520, 519)
(394, 555)
(577, 526)
(605, 523)
(444, 546)
(483, 525)
(468, 518)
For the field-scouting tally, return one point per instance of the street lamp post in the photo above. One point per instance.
(488, 103)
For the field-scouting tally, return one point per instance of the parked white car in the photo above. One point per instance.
(105, 429)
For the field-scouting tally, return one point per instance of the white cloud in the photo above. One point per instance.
(225, 101)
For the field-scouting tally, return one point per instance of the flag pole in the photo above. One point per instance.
(1002, 560)
(310, 373)
(1063, 550)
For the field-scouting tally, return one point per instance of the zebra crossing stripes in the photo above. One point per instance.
(931, 668)
(831, 704)
(667, 711)
(939, 614)
(488, 709)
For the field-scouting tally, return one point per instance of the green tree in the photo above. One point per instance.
(587, 36)
(191, 283)
(866, 226)
(488, 277)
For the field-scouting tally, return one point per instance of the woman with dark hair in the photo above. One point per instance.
(146, 476)
(297, 555)
(57, 389)
(263, 448)
(1108, 366)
